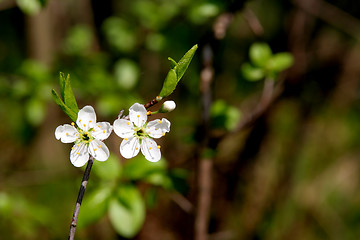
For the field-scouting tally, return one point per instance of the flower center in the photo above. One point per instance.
(140, 132)
(85, 137)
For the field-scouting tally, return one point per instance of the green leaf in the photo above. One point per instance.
(185, 61)
(94, 206)
(108, 170)
(67, 93)
(260, 53)
(127, 211)
(173, 63)
(72, 115)
(251, 73)
(280, 61)
(224, 116)
(176, 72)
(169, 84)
(139, 168)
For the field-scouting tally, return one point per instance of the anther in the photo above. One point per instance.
(158, 146)
(84, 125)
(138, 116)
(72, 123)
(80, 120)
(148, 113)
(127, 123)
(77, 153)
(159, 121)
(163, 134)
(99, 146)
(67, 134)
(125, 139)
(95, 149)
(104, 131)
(150, 148)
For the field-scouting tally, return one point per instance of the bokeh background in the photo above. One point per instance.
(291, 173)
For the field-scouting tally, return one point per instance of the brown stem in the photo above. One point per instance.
(80, 198)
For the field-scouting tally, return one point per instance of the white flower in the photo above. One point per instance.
(138, 134)
(87, 137)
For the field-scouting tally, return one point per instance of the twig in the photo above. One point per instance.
(80, 198)
(332, 15)
(205, 164)
(253, 22)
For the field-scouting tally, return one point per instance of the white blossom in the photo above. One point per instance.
(138, 134)
(87, 137)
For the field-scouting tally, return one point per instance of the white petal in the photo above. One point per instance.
(86, 118)
(158, 128)
(101, 130)
(66, 133)
(99, 150)
(79, 155)
(129, 147)
(123, 128)
(150, 150)
(137, 113)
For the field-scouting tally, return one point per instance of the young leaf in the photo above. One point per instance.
(94, 206)
(67, 93)
(184, 62)
(280, 61)
(127, 211)
(72, 115)
(176, 72)
(260, 53)
(252, 73)
(169, 84)
(173, 63)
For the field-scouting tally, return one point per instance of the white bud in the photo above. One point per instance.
(168, 106)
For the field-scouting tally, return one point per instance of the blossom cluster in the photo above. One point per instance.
(138, 135)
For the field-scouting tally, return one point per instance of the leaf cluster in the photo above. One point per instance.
(264, 64)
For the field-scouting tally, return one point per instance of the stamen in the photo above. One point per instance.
(77, 153)
(125, 139)
(99, 146)
(90, 140)
(137, 148)
(158, 146)
(150, 148)
(163, 134)
(84, 125)
(148, 113)
(95, 149)
(80, 120)
(156, 129)
(127, 123)
(72, 123)
(104, 131)
(99, 126)
(159, 121)
(67, 134)
(72, 148)
(138, 116)
(90, 121)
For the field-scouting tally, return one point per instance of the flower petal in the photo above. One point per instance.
(99, 150)
(129, 147)
(101, 130)
(137, 113)
(79, 155)
(158, 128)
(86, 118)
(66, 133)
(123, 128)
(150, 150)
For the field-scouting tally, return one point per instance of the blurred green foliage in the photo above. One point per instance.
(293, 175)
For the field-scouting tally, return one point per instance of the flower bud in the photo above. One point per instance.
(168, 106)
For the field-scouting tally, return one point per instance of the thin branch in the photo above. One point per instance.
(253, 22)
(332, 15)
(80, 198)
